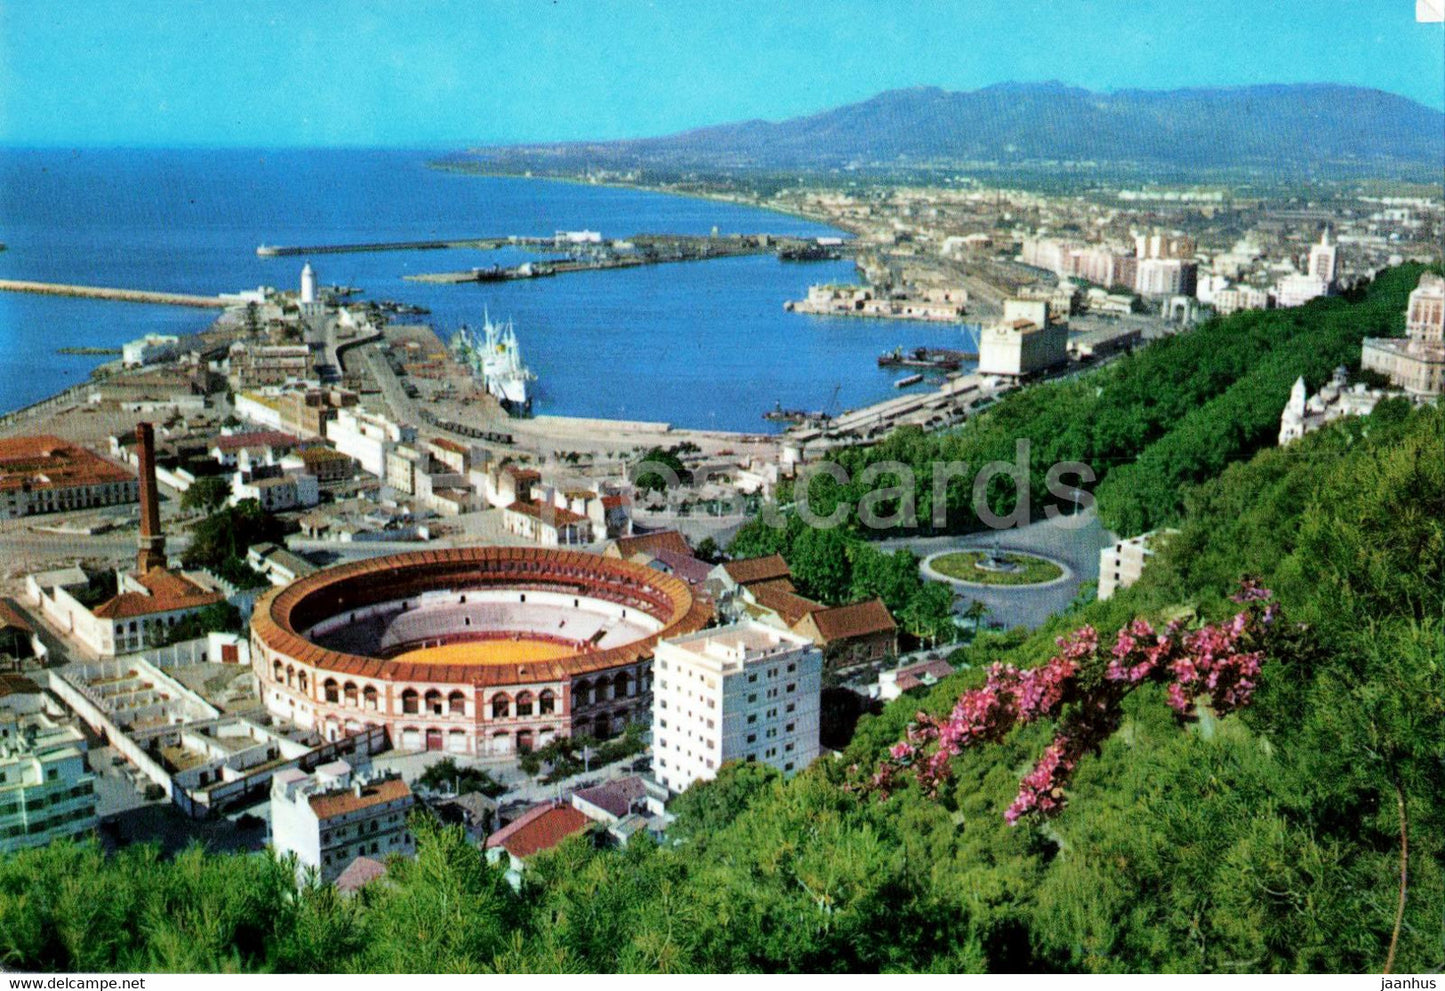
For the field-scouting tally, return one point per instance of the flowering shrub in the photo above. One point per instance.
(1083, 688)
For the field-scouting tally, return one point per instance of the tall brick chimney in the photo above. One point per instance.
(152, 553)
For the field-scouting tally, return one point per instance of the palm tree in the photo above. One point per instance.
(976, 611)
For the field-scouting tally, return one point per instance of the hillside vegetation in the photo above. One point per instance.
(1270, 840)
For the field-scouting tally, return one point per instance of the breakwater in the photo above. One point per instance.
(105, 292)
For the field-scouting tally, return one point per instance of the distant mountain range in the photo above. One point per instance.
(1270, 128)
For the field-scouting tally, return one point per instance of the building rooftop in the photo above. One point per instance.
(166, 591)
(11, 618)
(351, 799)
(649, 543)
(539, 828)
(780, 596)
(360, 872)
(257, 438)
(856, 620)
(547, 513)
(758, 569)
(730, 646)
(47, 461)
(616, 796)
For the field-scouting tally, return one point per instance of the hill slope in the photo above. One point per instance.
(1275, 127)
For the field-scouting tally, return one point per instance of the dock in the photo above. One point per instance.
(120, 295)
(480, 243)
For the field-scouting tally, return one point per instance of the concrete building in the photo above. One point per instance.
(45, 474)
(1025, 342)
(46, 790)
(1305, 414)
(1296, 289)
(367, 438)
(251, 365)
(741, 692)
(547, 524)
(1324, 260)
(1416, 362)
(1167, 277)
(148, 350)
(278, 493)
(329, 818)
(1121, 565)
(1236, 298)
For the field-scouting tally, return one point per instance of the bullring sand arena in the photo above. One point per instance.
(482, 650)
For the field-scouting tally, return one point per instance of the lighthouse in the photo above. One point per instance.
(308, 284)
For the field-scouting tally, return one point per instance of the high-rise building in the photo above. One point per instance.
(741, 692)
(1324, 260)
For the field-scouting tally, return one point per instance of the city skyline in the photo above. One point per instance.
(443, 74)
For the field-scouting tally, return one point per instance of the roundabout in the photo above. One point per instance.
(1001, 569)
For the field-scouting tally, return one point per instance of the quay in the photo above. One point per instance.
(104, 292)
(480, 243)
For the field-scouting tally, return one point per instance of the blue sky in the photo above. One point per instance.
(439, 72)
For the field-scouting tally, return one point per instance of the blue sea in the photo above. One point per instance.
(700, 344)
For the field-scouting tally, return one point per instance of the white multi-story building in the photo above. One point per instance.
(1121, 564)
(149, 349)
(46, 790)
(1024, 342)
(329, 818)
(367, 437)
(1324, 260)
(741, 692)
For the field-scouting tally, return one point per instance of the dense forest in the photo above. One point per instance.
(1303, 832)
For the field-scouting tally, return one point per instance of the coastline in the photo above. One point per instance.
(645, 188)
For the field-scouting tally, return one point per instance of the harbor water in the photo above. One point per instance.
(698, 344)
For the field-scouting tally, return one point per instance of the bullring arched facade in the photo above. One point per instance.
(356, 645)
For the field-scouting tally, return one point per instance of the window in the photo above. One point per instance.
(791, 707)
(752, 678)
(792, 666)
(792, 687)
(752, 718)
(789, 728)
(752, 738)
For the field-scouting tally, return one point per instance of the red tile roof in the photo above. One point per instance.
(360, 872)
(651, 543)
(779, 596)
(47, 461)
(13, 618)
(168, 592)
(539, 828)
(547, 513)
(758, 569)
(858, 620)
(339, 803)
(259, 438)
(684, 566)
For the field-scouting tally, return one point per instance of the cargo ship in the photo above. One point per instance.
(497, 360)
(939, 359)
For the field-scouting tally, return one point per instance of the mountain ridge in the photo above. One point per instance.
(1289, 126)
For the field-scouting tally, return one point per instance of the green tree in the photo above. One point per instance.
(206, 494)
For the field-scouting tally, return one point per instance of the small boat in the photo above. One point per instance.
(908, 380)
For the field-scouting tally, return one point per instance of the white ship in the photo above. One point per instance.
(497, 360)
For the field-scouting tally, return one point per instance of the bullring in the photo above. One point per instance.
(486, 651)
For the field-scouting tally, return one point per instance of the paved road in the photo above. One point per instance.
(1077, 546)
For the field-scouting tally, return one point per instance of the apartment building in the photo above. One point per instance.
(746, 691)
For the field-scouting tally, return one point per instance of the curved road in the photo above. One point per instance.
(1073, 541)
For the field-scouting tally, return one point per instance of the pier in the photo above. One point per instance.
(104, 292)
(480, 243)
